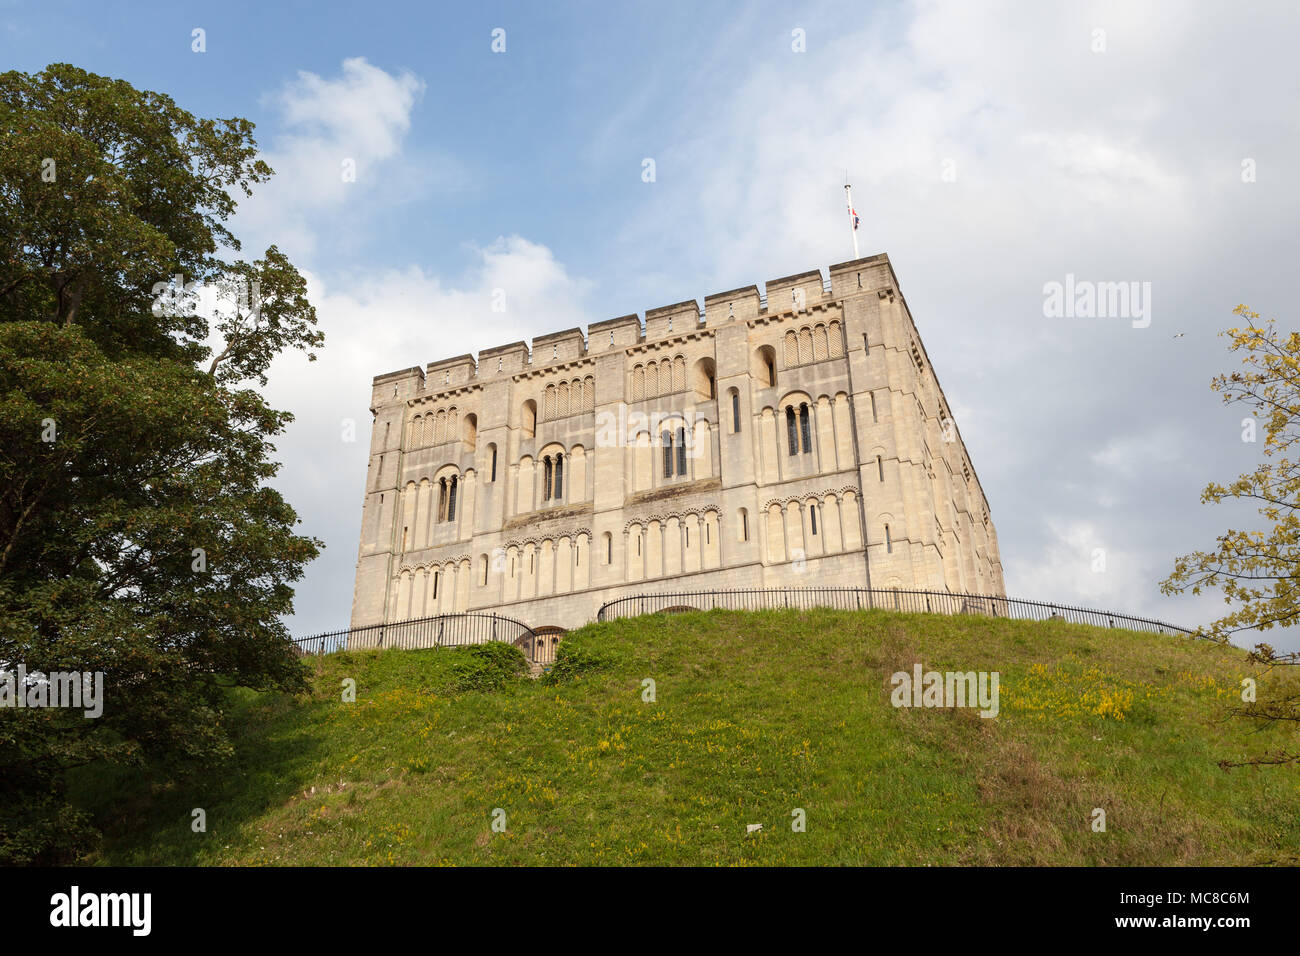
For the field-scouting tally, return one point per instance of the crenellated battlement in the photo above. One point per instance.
(780, 296)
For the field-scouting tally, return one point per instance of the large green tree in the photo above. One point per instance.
(1256, 569)
(138, 535)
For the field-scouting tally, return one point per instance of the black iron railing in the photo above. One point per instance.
(864, 599)
(443, 630)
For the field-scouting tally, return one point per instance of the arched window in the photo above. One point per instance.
(528, 418)
(493, 472)
(451, 500)
(559, 477)
(681, 452)
(880, 467)
(436, 575)
(609, 548)
(805, 431)
(744, 525)
(889, 542)
(762, 366)
(546, 478)
(735, 411)
(792, 437)
(667, 441)
(704, 378)
(836, 344)
(483, 569)
(442, 499)
(812, 514)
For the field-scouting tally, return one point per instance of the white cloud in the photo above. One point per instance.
(1132, 455)
(403, 317)
(361, 117)
(1080, 563)
(366, 110)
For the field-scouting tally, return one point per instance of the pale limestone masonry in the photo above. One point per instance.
(794, 439)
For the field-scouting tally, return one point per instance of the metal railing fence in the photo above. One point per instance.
(442, 630)
(864, 599)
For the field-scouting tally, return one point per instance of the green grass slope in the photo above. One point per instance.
(756, 716)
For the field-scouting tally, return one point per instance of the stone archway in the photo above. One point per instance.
(547, 642)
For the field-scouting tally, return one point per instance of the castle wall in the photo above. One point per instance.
(797, 438)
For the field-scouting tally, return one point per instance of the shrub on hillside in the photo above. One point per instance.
(485, 667)
(575, 659)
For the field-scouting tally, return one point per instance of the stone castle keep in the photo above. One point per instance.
(794, 439)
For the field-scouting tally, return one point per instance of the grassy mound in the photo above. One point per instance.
(457, 757)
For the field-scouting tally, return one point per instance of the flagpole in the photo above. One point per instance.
(848, 197)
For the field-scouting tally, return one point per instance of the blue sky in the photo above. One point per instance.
(993, 148)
